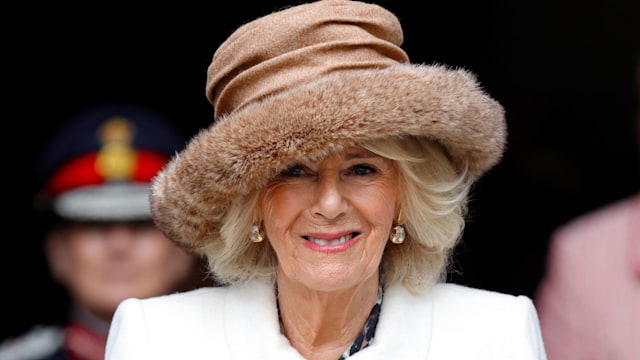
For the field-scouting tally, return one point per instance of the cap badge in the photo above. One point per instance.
(116, 159)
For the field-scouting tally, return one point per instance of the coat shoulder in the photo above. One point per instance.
(489, 321)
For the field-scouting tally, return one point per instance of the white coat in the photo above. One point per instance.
(447, 322)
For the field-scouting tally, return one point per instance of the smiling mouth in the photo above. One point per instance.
(323, 242)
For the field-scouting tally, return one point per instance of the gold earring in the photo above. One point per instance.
(257, 235)
(397, 234)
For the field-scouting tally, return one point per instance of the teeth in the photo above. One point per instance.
(323, 242)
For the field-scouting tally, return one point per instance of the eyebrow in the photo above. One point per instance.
(360, 154)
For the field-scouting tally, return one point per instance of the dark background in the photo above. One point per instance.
(565, 73)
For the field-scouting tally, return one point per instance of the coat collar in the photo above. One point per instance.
(405, 319)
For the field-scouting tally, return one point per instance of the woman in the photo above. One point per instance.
(328, 195)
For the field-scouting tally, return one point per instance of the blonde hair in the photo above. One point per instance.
(433, 199)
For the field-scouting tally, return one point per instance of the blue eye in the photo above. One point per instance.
(293, 171)
(363, 170)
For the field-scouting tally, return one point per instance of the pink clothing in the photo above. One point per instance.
(589, 300)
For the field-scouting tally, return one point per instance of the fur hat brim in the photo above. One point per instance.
(242, 151)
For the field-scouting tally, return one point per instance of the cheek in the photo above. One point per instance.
(86, 247)
(154, 246)
(280, 205)
(163, 258)
(378, 203)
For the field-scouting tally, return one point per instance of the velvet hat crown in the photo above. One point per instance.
(305, 82)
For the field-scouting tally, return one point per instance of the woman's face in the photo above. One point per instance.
(329, 220)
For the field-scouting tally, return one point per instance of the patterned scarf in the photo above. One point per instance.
(368, 331)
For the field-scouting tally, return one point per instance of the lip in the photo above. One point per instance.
(355, 236)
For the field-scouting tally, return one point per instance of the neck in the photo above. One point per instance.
(323, 324)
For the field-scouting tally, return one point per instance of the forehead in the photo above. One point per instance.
(352, 152)
(357, 152)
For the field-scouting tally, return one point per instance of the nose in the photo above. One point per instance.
(330, 201)
(119, 236)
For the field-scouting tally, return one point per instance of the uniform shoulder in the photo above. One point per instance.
(37, 343)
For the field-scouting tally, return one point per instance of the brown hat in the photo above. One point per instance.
(307, 81)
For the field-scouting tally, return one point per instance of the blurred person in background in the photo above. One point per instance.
(589, 299)
(100, 241)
